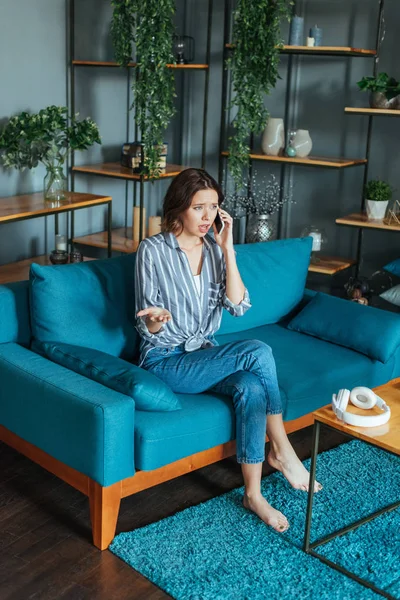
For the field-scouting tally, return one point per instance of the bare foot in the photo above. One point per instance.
(269, 515)
(293, 469)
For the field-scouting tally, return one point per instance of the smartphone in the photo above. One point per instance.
(219, 224)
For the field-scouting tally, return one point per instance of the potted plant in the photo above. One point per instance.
(384, 91)
(377, 195)
(47, 137)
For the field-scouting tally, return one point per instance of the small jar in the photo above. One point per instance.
(75, 257)
(59, 257)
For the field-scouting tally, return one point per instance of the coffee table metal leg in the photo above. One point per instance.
(310, 548)
(314, 454)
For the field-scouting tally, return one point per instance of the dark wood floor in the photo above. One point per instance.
(45, 545)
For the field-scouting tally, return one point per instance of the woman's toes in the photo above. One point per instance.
(282, 524)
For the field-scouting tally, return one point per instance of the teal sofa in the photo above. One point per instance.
(97, 439)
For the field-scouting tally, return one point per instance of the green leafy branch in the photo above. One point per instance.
(47, 136)
(123, 29)
(254, 64)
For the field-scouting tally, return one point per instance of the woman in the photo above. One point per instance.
(184, 277)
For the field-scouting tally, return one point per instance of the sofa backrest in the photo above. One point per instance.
(14, 313)
(275, 274)
(92, 304)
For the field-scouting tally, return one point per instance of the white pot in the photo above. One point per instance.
(273, 139)
(376, 209)
(302, 143)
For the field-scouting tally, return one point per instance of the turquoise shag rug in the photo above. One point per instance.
(220, 551)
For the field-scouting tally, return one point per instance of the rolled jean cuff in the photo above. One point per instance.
(250, 461)
(274, 412)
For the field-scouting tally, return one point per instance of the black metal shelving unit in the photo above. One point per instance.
(286, 163)
(124, 173)
(370, 113)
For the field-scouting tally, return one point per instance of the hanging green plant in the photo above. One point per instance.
(154, 88)
(254, 64)
(123, 29)
(154, 83)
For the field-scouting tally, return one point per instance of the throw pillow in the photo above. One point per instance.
(148, 391)
(392, 295)
(275, 274)
(86, 304)
(365, 329)
(393, 267)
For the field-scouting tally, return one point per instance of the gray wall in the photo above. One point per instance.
(34, 74)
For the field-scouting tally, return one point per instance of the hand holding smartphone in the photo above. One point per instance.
(219, 224)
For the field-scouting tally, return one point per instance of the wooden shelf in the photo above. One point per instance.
(111, 63)
(329, 265)
(16, 208)
(19, 271)
(323, 50)
(114, 169)
(121, 240)
(372, 111)
(361, 220)
(311, 161)
(328, 50)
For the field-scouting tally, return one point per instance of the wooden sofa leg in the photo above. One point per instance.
(104, 508)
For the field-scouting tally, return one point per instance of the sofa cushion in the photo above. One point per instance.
(206, 420)
(86, 304)
(14, 311)
(309, 372)
(275, 274)
(392, 295)
(373, 332)
(147, 390)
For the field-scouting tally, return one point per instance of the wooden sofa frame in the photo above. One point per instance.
(105, 501)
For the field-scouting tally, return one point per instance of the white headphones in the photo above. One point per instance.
(362, 397)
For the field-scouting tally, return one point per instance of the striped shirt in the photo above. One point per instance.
(164, 279)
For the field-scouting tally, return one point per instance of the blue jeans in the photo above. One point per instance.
(244, 370)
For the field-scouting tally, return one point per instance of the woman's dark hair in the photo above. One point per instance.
(180, 193)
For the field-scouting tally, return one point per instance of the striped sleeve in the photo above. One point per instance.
(146, 290)
(236, 310)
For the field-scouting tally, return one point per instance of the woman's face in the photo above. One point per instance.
(199, 217)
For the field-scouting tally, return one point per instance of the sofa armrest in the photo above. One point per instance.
(74, 419)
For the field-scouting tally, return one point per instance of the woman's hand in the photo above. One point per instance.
(155, 314)
(224, 239)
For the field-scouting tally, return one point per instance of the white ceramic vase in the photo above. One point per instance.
(273, 139)
(376, 209)
(302, 143)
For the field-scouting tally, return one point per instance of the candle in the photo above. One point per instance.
(154, 225)
(310, 42)
(316, 33)
(317, 241)
(61, 242)
(136, 223)
(296, 31)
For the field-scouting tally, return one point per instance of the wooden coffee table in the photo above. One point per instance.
(385, 436)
